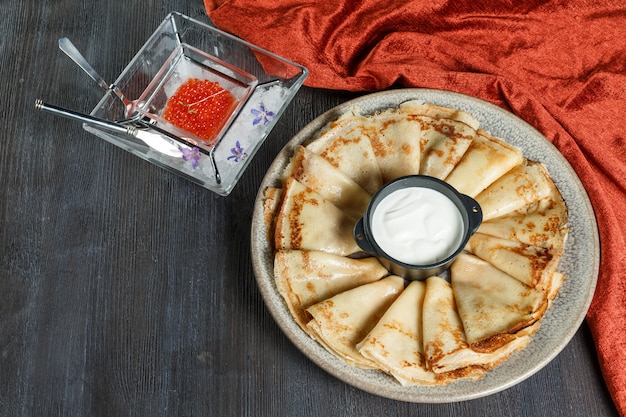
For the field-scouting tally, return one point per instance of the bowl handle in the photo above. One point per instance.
(474, 212)
(361, 238)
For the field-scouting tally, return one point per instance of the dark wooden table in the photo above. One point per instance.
(126, 290)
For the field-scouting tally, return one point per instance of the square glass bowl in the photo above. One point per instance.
(260, 83)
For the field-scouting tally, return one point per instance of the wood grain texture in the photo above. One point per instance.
(128, 291)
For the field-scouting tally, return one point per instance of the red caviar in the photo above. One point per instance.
(200, 107)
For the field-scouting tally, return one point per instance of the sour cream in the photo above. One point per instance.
(417, 226)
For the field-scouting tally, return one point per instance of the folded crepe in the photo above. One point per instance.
(525, 184)
(444, 142)
(395, 139)
(493, 306)
(419, 107)
(543, 223)
(532, 265)
(555, 285)
(271, 204)
(395, 344)
(346, 145)
(306, 277)
(341, 322)
(487, 159)
(306, 220)
(446, 135)
(319, 175)
(446, 347)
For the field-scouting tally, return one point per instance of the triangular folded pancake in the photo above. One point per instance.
(418, 107)
(319, 175)
(307, 277)
(445, 344)
(395, 344)
(486, 160)
(556, 283)
(442, 328)
(543, 223)
(492, 305)
(307, 220)
(396, 143)
(271, 204)
(531, 265)
(446, 135)
(523, 185)
(346, 145)
(443, 144)
(342, 321)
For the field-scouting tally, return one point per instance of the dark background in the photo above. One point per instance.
(126, 290)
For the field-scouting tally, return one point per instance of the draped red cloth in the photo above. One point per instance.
(561, 66)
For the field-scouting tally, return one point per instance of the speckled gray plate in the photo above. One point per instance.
(560, 323)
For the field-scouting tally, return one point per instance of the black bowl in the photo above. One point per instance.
(469, 209)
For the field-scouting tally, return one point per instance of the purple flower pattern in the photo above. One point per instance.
(192, 155)
(262, 115)
(238, 153)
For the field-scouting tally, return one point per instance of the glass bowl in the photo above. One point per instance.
(261, 84)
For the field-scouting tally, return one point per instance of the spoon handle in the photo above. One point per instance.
(85, 118)
(70, 50)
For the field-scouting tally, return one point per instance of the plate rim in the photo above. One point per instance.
(344, 372)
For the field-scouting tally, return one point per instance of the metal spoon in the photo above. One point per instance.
(70, 50)
(169, 145)
(156, 138)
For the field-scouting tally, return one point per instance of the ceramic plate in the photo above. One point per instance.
(560, 323)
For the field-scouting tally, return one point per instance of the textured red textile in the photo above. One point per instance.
(560, 65)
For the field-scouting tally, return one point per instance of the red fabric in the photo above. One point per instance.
(560, 65)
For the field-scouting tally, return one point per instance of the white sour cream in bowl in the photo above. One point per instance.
(417, 226)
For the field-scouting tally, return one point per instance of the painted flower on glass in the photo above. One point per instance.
(192, 155)
(237, 153)
(262, 115)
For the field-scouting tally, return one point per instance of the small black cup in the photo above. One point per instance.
(469, 209)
